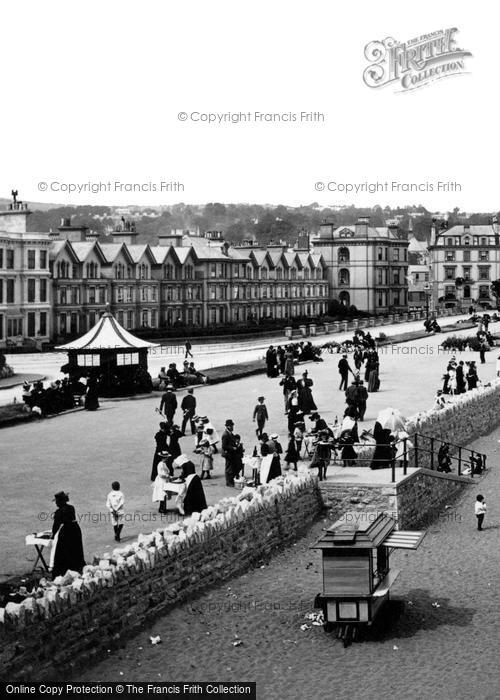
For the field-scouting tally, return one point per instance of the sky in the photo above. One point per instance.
(92, 94)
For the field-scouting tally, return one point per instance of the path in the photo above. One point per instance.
(84, 452)
(206, 356)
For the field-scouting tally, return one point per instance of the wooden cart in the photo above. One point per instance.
(357, 576)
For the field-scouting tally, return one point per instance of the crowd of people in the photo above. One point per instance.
(178, 379)
(282, 359)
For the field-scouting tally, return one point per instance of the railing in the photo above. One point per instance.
(410, 452)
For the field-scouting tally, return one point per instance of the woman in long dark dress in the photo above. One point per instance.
(383, 454)
(161, 446)
(174, 435)
(91, 397)
(194, 500)
(305, 397)
(67, 547)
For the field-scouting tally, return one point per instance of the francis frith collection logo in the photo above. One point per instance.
(414, 63)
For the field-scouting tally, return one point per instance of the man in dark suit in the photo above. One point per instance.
(229, 447)
(188, 406)
(344, 369)
(168, 404)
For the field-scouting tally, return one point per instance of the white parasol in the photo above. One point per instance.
(391, 419)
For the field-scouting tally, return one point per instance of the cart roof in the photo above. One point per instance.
(357, 530)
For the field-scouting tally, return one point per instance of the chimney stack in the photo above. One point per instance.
(361, 226)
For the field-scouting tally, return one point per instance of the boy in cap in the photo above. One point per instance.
(260, 415)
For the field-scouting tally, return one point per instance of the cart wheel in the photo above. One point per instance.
(328, 627)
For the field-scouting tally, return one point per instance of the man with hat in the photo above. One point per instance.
(260, 415)
(229, 446)
(344, 369)
(188, 406)
(169, 403)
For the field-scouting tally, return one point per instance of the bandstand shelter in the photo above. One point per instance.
(109, 352)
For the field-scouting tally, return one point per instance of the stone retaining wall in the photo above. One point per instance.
(339, 498)
(421, 498)
(471, 415)
(78, 618)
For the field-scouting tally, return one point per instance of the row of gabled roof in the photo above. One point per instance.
(107, 253)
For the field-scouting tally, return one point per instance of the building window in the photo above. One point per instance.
(144, 294)
(449, 273)
(449, 291)
(1, 293)
(450, 255)
(31, 323)
(344, 277)
(484, 241)
(43, 323)
(466, 255)
(153, 318)
(90, 360)
(62, 295)
(31, 292)
(344, 255)
(1, 262)
(102, 295)
(466, 240)
(396, 277)
(484, 255)
(119, 295)
(449, 241)
(43, 290)
(484, 291)
(263, 273)
(130, 319)
(9, 292)
(10, 259)
(467, 273)
(43, 259)
(127, 358)
(484, 273)
(395, 255)
(14, 327)
(31, 260)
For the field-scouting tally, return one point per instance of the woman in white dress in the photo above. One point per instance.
(160, 483)
(452, 381)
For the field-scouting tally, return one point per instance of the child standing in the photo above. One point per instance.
(260, 415)
(207, 459)
(114, 503)
(480, 510)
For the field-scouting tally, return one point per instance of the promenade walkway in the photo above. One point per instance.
(444, 645)
(84, 452)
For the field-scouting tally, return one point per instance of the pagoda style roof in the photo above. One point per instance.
(107, 334)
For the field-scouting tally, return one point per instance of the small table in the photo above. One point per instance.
(39, 541)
